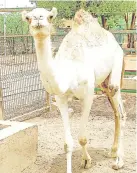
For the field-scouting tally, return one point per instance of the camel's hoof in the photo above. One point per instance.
(86, 164)
(119, 163)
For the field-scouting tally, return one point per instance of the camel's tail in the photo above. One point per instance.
(122, 73)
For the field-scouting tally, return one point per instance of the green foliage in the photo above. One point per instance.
(68, 8)
(104, 7)
(14, 24)
(1, 24)
(114, 10)
(116, 22)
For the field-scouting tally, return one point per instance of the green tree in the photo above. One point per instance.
(15, 25)
(66, 9)
(112, 14)
(105, 9)
(1, 24)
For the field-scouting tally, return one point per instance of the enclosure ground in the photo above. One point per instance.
(51, 157)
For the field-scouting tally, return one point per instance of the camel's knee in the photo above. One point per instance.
(83, 141)
(111, 88)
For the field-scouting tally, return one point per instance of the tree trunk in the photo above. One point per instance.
(104, 21)
(131, 39)
(126, 20)
(132, 27)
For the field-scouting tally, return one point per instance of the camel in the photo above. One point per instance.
(88, 56)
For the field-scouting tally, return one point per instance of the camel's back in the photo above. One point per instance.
(76, 42)
(96, 51)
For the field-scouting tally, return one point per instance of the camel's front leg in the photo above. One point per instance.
(87, 102)
(62, 103)
(117, 104)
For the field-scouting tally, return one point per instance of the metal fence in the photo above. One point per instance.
(21, 86)
(127, 40)
(22, 91)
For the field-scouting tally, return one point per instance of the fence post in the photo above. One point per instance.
(48, 101)
(1, 106)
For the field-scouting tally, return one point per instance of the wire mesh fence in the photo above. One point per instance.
(21, 86)
(22, 90)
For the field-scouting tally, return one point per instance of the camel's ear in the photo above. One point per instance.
(26, 16)
(53, 14)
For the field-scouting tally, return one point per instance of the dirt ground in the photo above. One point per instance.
(51, 157)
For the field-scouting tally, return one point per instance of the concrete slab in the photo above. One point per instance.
(18, 146)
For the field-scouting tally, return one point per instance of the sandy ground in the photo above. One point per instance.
(51, 157)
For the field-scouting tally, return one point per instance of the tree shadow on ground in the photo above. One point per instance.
(59, 163)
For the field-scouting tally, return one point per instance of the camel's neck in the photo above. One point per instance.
(43, 51)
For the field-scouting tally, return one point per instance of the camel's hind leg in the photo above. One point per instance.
(120, 117)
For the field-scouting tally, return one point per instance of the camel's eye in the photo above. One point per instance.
(27, 18)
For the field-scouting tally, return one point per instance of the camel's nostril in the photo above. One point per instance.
(35, 18)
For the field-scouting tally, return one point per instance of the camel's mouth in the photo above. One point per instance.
(38, 27)
(39, 31)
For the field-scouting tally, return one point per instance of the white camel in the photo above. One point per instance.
(88, 56)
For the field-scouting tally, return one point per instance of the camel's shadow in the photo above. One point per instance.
(59, 163)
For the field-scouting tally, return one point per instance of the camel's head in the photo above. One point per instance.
(40, 21)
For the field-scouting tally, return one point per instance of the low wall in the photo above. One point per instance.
(18, 146)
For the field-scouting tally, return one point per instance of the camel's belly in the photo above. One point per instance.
(102, 68)
(79, 92)
(101, 75)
